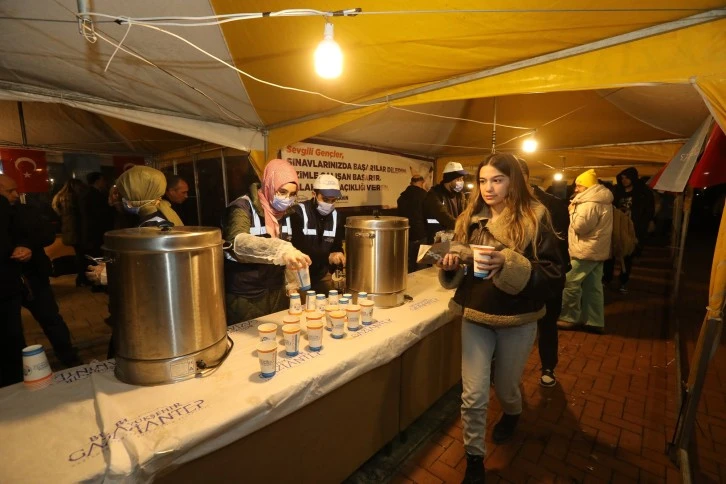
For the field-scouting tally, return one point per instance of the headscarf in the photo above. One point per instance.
(277, 173)
(143, 187)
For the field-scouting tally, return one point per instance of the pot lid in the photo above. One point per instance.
(158, 239)
(370, 222)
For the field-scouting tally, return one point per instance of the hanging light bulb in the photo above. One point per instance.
(328, 56)
(558, 176)
(530, 144)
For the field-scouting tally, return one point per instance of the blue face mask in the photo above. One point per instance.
(281, 204)
(325, 208)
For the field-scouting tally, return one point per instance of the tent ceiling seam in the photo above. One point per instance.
(659, 29)
(79, 97)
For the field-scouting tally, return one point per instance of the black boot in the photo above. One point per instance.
(504, 429)
(474, 469)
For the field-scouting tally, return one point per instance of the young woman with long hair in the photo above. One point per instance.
(500, 311)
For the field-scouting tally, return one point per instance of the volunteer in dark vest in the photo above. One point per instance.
(316, 231)
(445, 201)
(259, 229)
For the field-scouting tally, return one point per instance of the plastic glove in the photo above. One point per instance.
(97, 274)
(336, 258)
(294, 259)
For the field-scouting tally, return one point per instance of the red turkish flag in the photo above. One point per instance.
(28, 168)
(123, 163)
(710, 169)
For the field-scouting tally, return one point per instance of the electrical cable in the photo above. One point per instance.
(243, 16)
(458, 119)
(250, 76)
(226, 112)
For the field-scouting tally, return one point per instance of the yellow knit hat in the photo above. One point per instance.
(587, 178)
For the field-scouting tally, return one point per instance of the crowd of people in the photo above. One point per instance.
(547, 262)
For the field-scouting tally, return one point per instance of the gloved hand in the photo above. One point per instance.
(336, 259)
(294, 259)
(97, 274)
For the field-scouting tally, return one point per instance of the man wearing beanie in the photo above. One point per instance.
(445, 201)
(589, 236)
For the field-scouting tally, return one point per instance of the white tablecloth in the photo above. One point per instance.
(89, 426)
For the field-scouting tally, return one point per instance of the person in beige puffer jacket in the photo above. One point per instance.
(590, 235)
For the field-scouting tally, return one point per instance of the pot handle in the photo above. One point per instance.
(204, 370)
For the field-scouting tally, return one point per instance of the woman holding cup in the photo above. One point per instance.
(502, 285)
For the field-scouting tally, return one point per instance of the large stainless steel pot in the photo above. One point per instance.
(166, 291)
(377, 257)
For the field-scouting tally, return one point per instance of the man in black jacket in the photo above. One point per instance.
(37, 294)
(12, 252)
(410, 205)
(445, 201)
(634, 198)
(547, 326)
(317, 232)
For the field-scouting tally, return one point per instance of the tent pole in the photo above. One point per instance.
(224, 177)
(21, 118)
(682, 242)
(196, 190)
(676, 229)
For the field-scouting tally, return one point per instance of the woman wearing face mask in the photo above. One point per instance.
(501, 308)
(139, 191)
(259, 229)
(317, 231)
(445, 201)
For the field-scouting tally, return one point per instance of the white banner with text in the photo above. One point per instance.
(366, 177)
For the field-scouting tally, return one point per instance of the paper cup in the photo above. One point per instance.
(338, 321)
(353, 311)
(348, 296)
(291, 334)
(303, 278)
(267, 332)
(315, 334)
(333, 297)
(267, 353)
(362, 296)
(479, 255)
(328, 320)
(310, 301)
(295, 304)
(36, 370)
(366, 311)
(320, 302)
(313, 317)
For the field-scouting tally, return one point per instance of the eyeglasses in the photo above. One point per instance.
(282, 193)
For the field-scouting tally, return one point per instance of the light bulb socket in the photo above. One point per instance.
(328, 32)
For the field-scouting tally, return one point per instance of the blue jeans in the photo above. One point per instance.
(512, 346)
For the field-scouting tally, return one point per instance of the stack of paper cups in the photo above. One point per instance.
(36, 370)
(310, 301)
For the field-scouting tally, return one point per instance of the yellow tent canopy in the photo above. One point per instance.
(597, 82)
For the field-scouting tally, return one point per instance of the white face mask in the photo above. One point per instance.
(459, 186)
(281, 204)
(134, 207)
(325, 208)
